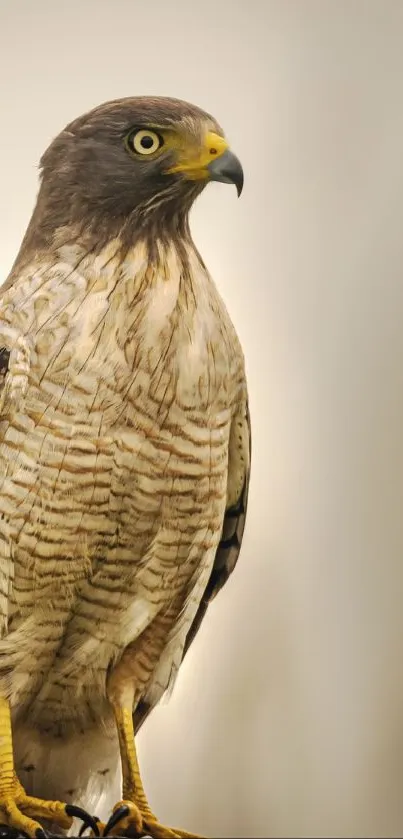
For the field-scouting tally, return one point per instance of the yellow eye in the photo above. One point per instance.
(145, 141)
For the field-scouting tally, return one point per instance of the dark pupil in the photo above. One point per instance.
(147, 141)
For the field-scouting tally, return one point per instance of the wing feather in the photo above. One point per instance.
(234, 522)
(239, 464)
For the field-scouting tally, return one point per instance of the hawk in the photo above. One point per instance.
(124, 457)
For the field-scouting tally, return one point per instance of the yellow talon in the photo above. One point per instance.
(138, 820)
(160, 831)
(21, 810)
(132, 820)
(137, 824)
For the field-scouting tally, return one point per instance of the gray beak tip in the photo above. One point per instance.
(227, 169)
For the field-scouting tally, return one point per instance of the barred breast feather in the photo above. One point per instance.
(124, 461)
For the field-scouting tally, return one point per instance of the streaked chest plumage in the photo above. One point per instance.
(115, 460)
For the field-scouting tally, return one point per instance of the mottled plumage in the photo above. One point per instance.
(124, 442)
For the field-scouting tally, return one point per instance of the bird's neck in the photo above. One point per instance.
(132, 269)
(121, 253)
(132, 309)
(165, 274)
(56, 224)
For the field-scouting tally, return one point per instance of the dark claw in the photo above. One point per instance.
(40, 834)
(119, 814)
(88, 821)
(84, 827)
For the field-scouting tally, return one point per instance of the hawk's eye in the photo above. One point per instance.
(144, 141)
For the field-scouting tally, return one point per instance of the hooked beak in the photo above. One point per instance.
(213, 161)
(227, 169)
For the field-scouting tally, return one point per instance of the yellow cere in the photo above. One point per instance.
(193, 160)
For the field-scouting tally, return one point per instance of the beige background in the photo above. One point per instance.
(288, 715)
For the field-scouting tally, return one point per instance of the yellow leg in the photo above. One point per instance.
(20, 810)
(138, 817)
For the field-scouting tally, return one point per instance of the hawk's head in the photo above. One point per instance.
(137, 162)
